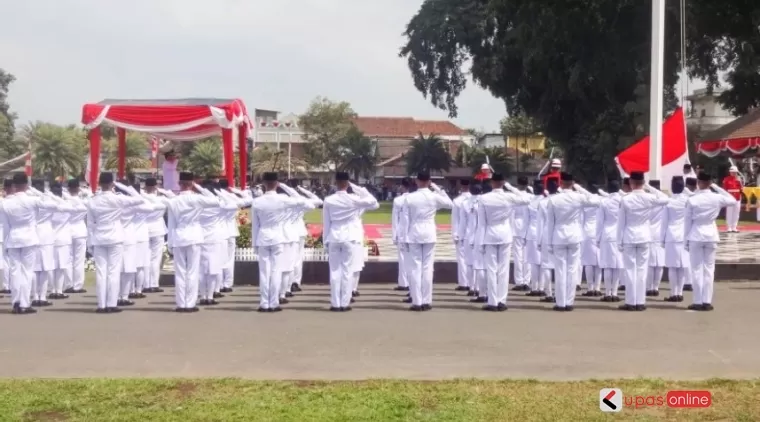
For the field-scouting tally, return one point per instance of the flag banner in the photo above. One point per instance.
(675, 151)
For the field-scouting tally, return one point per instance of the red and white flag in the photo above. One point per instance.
(675, 151)
(28, 164)
(154, 143)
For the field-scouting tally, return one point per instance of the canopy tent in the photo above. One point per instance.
(182, 120)
(740, 137)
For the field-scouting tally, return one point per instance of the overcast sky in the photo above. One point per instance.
(274, 54)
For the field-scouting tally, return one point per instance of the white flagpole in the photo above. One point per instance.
(656, 88)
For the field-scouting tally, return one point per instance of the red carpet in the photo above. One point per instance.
(372, 231)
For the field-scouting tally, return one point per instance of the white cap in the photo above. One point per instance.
(733, 169)
(556, 163)
(485, 167)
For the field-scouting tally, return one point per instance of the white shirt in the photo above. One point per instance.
(702, 209)
(396, 214)
(61, 225)
(532, 232)
(607, 217)
(544, 237)
(155, 219)
(78, 216)
(458, 218)
(496, 211)
(635, 215)
(672, 227)
(242, 202)
(470, 208)
(184, 218)
(19, 219)
(215, 220)
(340, 215)
(45, 230)
(419, 214)
(270, 215)
(520, 217)
(171, 176)
(564, 214)
(295, 225)
(104, 217)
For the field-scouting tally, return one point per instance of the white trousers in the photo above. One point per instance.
(108, 263)
(676, 279)
(127, 285)
(732, 216)
(635, 268)
(519, 258)
(340, 256)
(497, 273)
(593, 278)
(22, 263)
(654, 277)
(43, 279)
(461, 264)
(421, 258)
(403, 273)
(187, 265)
(611, 281)
(481, 281)
(60, 277)
(298, 267)
(535, 277)
(78, 256)
(228, 272)
(288, 256)
(270, 276)
(153, 272)
(702, 257)
(208, 284)
(567, 263)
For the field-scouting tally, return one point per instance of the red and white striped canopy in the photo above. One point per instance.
(183, 119)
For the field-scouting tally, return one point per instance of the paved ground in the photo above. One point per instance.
(380, 339)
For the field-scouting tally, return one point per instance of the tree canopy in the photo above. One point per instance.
(579, 68)
(325, 123)
(427, 153)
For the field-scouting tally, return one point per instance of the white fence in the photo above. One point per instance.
(309, 254)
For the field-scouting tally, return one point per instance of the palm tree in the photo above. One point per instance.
(266, 158)
(57, 151)
(358, 154)
(205, 159)
(427, 154)
(135, 153)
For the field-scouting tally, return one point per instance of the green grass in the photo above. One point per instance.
(305, 401)
(381, 215)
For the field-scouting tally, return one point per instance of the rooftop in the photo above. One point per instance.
(747, 126)
(405, 127)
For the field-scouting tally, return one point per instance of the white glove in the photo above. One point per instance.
(686, 246)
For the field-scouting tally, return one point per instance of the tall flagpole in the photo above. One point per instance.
(656, 89)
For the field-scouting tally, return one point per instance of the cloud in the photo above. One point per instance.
(272, 54)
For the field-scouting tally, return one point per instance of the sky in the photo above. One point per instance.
(274, 54)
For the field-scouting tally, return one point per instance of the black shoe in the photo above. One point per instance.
(191, 310)
(517, 288)
(284, 301)
(532, 293)
(501, 307)
(694, 307)
(641, 308)
(277, 309)
(355, 294)
(7, 292)
(615, 299)
(407, 300)
(569, 309)
(218, 295)
(577, 288)
(415, 308)
(427, 307)
(671, 299)
(334, 309)
(352, 300)
(288, 294)
(113, 310)
(548, 299)
(157, 290)
(680, 299)
(70, 290)
(655, 293)
(589, 294)
(25, 311)
(401, 289)
(203, 302)
(212, 302)
(123, 302)
(479, 300)
(44, 303)
(295, 288)
(347, 309)
(648, 293)
(461, 289)
(559, 308)
(621, 288)
(688, 288)
(229, 289)
(101, 311)
(707, 306)
(180, 310)
(133, 295)
(599, 293)
(541, 294)
(472, 293)
(265, 310)
(627, 307)
(140, 295)
(490, 308)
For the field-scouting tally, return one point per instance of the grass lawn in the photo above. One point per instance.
(303, 401)
(381, 215)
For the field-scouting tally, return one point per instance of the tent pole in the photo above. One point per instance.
(94, 136)
(243, 153)
(121, 133)
(229, 166)
(656, 90)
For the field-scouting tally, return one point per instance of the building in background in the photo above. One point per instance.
(705, 112)
(492, 140)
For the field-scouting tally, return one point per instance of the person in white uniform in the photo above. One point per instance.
(532, 250)
(156, 233)
(340, 214)
(468, 220)
(78, 227)
(61, 223)
(295, 286)
(359, 256)
(657, 249)
(634, 237)
(688, 172)
(136, 251)
(476, 258)
(185, 240)
(419, 214)
(5, 289)
(564, 226)
(458, 219)
(494, 238)
(672, 239)
(521, 268)
(295, 231)
(702, 238)
(691, 187)
(243, 199)
(610, 257)
(590, 247)
(270, 218)
(544, 242)
(396, 235)
(106, 237)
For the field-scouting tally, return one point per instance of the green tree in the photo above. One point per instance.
(579, 68)
(358, 154)
(135, 153)
(266, 157)
(427, 154)
(324, 124)
(205, 158)
(496, 156)
(57, 151)
(9, 148)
